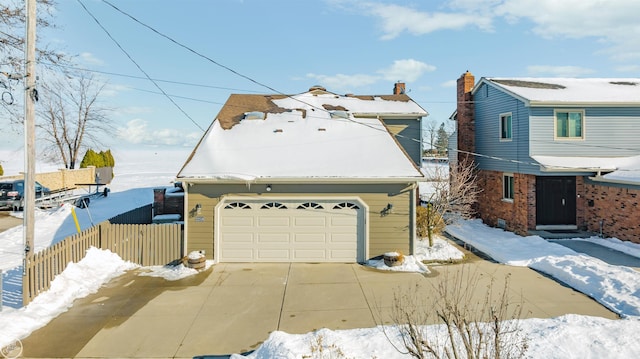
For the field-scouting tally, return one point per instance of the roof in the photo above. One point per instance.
(608, 169)
(569, 91)
(313, 135)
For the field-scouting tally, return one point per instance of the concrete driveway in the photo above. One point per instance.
(232, 308)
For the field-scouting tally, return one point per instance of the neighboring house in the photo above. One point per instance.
(313, 177)
(554, 153)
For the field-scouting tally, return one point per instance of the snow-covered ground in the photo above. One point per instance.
(569, 336)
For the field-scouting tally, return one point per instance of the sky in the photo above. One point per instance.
(361, 47)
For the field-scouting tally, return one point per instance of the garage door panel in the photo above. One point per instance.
(237, 237)
(346, 221)
(234, 221)
(310, 254)
(343, 237)
(272, 254)
(267, 238)
(241, 255)
(274, 221)
(344, 255)
(310, 238)
(309, 221)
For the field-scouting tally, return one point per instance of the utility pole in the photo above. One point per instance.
(30, 97)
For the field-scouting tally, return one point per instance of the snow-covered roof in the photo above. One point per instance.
(570, 91)
(617, 169)
(314, 135)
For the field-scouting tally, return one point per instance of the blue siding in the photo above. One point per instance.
(410, 138)
(608, 132)
(496, 155)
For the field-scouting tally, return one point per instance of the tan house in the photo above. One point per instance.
(312, 177)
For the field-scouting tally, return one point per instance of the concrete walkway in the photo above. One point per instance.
(232, 308)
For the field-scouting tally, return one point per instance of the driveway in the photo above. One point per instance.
(7, 221)
(232, 308)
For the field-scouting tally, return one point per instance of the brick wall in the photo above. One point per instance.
(519, 215)
(617, 206)
(465, 118)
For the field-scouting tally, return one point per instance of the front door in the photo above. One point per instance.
(556, 201)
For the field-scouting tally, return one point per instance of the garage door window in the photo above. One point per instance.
(346, 205)
(237, 205)
(273, 205)
(310, 205)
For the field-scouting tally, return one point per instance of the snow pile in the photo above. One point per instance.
(616, 287)
(177, 272)
(566, 337)
(441, 251)
(78, 280)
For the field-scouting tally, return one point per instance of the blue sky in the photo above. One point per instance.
(360, 47)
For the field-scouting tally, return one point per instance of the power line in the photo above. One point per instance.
(138, 66)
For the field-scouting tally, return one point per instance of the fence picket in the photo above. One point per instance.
(144, 244)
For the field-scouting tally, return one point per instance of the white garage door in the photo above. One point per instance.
(291, 231)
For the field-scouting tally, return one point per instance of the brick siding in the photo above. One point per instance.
(617, 207)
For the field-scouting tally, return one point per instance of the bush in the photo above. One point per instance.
(99, 160)
(1, 171)
(428, 217)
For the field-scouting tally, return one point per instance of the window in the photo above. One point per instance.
(237, 205)
(507, 187)
(569, 124)
(505, 127)
(310, 205)
(346, 205)
(273, 205)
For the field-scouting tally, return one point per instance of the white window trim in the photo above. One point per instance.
(500, 127)
(505, 199)
(555, 125)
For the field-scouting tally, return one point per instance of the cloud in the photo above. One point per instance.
(137, 132)
(89, 59)
(558, 71)
(407, 70)
(342, 81)
(396, 19)
(450, 83)
(613, 23)
(629, 68)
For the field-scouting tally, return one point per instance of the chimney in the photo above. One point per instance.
(465, 118)
(399, 88)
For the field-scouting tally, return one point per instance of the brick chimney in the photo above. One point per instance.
(399, 88)
(465, 117)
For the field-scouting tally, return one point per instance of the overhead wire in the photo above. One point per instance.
(138, 66)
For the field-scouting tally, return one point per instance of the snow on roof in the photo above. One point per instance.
(625, 169)
(305, 142)
(572, 90)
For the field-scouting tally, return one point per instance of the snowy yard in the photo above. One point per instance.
(569, 336)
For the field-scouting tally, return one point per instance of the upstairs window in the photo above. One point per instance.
(507, 187)
(569, 124)
(505, 127)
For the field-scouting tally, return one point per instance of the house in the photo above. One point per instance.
(312, 177)
(553, 154)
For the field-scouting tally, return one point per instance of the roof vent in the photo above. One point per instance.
(317, 88)
(339, 114)
(254, 115)
(278, 130)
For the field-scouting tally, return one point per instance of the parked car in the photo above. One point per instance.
(12, 192)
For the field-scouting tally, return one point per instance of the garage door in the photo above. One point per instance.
(291, 231)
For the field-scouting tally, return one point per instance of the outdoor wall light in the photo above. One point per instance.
(389, 207)
(198, 208)
(268, 188)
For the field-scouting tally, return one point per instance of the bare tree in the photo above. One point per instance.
(71, 117)
(431, 134)
(478, 322)
(12, 31)
(454, 196)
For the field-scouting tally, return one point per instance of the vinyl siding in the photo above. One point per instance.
(608, 132)
(408, 133)
(392, 232)
(497, 155)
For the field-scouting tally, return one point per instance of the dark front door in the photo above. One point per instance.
(555, 200)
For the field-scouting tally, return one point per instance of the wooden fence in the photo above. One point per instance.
(143, 244)
(139, 215)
